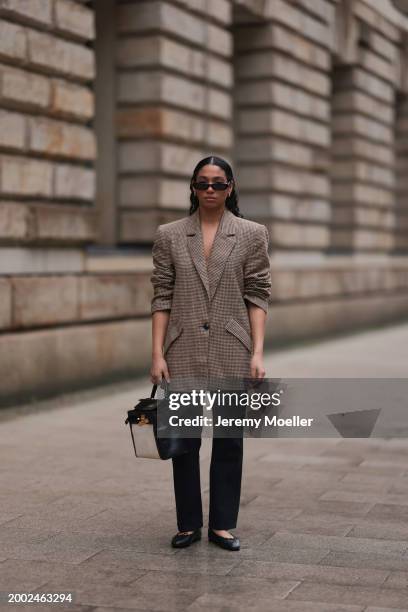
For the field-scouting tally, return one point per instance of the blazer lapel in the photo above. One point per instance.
(223, 244)
(196, 248)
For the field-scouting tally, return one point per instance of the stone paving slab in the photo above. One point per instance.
(323, 522)
(49, 608)
(376, 609)
(296, 502)
(397, 579)
(379, 530)
(350, 594)
(230, 590)
(314, 573)
(389, 512)
(333, 543)
(209, 602)
(365, 560)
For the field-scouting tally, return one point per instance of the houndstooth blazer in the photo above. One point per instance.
(209, 334)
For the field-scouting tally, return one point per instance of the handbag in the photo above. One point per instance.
(142, 420)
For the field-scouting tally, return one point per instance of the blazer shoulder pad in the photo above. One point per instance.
(252, 227)
(173, 226)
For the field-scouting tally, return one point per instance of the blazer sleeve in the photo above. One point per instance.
(163, 274)
(257, 272)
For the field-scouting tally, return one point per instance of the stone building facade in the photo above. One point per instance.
(106, 106)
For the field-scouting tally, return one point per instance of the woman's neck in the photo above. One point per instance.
(211, 217)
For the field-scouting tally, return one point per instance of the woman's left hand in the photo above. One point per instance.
(257, 366)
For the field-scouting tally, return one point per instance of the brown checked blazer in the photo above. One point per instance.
(209, 334)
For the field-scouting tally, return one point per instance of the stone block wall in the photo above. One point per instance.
(174, 104)
(283, 133)
(401, 165)
(367, 80)
(307, 99)
(47, 183)
(47, 145)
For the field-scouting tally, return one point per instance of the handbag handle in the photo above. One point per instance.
(152, 394)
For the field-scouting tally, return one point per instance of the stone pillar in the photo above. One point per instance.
(363, 105)
(47, 148)
(282, 67)
(174, 82)
(401, 149)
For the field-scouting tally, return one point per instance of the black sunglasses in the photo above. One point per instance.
(218, 186)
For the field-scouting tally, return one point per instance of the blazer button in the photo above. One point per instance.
(206, 326)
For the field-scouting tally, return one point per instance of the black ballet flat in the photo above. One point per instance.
(227, 543)
(182, 540)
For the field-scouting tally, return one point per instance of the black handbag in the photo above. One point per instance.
(142, 421)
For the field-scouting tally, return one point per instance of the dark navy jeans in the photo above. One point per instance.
(225, 485)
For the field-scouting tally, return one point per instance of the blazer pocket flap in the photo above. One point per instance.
(239, 332)
(173, 332)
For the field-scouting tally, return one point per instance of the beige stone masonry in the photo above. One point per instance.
(346, 145)
(139, 226)
(5, 303)
(40, 260)
(50, 96)
(12, 130)
(161, 192)
(25, 176)
(56, 56)
(276, 149)
(181, 126)
(141, 87)
(71, 100)
(156, 14)
(55, 299)
(46, 223)
(358, 101)
(142, 156)
(74, 19)
(39, 12)
(44, 300)
(360, 79)
(376, 19)
(289, 97)
(64, 224)
(276, 121)
(274, 64)
(32, 177)
(360, 193)
(15, 83)
(13, 42)
(16, 222)
(116, 295)
(74, 182)
(60, 139)
(275, 36)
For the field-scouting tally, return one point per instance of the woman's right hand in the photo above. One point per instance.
(159, 370)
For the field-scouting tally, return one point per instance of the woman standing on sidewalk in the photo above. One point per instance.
(211, 283)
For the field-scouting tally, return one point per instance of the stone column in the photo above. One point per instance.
(282, 66)
(174, 81)
(47, 148)
(363, 104)
(401, 149)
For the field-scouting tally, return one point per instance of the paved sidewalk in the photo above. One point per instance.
(323, 523)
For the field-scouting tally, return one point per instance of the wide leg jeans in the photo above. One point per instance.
(225, 485)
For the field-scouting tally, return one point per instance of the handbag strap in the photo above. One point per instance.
(152, 394)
